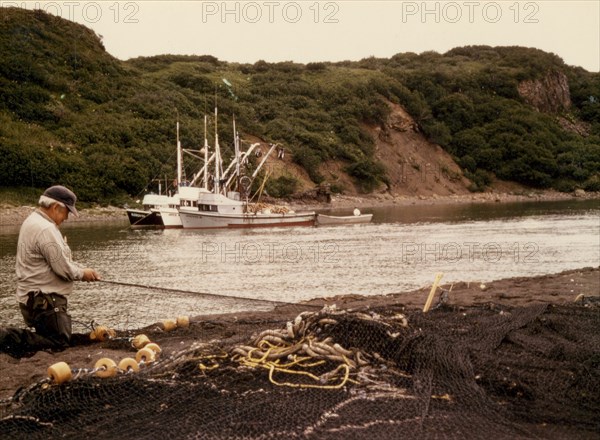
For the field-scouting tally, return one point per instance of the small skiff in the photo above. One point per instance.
(323, 219)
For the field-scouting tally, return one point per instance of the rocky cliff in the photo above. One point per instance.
(549, 94)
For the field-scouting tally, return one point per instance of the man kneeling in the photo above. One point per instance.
(45, 273)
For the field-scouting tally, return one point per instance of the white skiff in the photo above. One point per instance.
(323, 219)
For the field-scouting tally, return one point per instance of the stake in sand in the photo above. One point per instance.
(438, 278)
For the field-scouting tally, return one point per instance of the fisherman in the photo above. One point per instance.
(45, 275)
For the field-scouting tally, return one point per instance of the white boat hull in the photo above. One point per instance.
(213, 220)
(170, 218)
(323, 219)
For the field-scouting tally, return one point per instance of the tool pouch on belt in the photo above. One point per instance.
(50, 317)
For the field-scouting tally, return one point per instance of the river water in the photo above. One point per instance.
(402, 249)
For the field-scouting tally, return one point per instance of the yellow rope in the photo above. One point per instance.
(272, 367)
(207, 368)
(211, 358)
(262, 359)
(258, 357)
(299, 385)
(284, 368)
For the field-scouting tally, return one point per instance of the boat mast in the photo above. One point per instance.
(179, 159)
(217, 156)
(237, 155)
(263, 161)
(205, 155)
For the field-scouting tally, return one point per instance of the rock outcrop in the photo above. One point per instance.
(549, 94)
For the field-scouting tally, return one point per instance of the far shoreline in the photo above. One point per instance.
(14, 215)
(390, 200)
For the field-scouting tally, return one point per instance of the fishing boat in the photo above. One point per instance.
(158, 208)
(219, 211)
(358, 217)
(149, 216)
(186, 196)
(162, 211)
(223, 208)
(187, 193)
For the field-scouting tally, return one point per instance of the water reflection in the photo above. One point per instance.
(460, 212)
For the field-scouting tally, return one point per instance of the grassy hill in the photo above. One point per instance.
(70, 113)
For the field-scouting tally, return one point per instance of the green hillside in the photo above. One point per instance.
(72, 114)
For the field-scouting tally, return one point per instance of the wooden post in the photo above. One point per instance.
(438, 278)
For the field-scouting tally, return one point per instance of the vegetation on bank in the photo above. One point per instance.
(71, 113)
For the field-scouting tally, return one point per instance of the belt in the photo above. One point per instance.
(45, 301)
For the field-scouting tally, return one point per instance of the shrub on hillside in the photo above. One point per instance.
(282, 186)
(367, 173)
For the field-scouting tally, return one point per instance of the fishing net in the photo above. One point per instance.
(379, 373)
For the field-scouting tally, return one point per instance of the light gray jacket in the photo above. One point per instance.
(44, 261)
